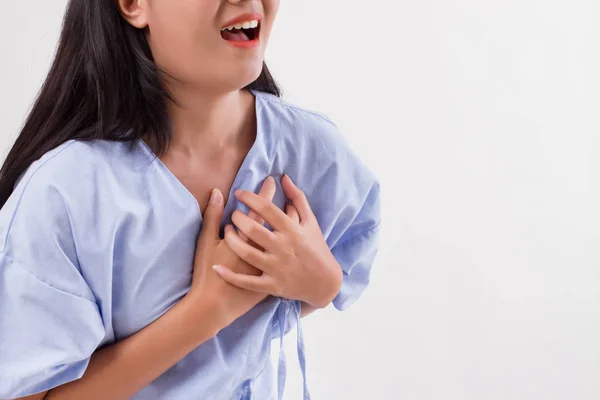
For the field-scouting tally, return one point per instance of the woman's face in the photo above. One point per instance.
(189, 41)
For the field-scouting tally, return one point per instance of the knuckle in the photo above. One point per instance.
(250, 254)
(235, 217)
(230, 236)
(244, 252)
(271, 236)
(252, 230)
(278, 238)
(298, 233)
(262, 205)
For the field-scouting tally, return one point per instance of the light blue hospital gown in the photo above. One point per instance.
(98, 239)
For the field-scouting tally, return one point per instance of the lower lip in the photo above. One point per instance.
(244, 45)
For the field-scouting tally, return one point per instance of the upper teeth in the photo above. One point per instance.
(242, 25)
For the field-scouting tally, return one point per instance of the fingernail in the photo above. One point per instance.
(237, 192)
(270, 179)
(217, 268)
(216, 197)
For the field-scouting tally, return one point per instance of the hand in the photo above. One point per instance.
(296, 262)
(230, 302)
(268, 192)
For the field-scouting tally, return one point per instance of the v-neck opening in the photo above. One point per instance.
(244, 166)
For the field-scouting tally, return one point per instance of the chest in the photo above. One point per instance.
(147, 228)
(152, 258)
(203, 174)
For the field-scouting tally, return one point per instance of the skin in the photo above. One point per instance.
(213, 128)
(295, 262)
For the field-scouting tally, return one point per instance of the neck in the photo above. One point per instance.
(204, 122)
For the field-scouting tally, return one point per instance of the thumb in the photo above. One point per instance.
(212, 217)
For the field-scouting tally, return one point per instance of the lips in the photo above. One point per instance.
(243, 31)
(240, 35)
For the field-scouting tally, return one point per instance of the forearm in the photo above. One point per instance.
(121, 370)
(325, 290)
(307, 309)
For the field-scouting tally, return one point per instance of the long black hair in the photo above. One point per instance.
(103, 84)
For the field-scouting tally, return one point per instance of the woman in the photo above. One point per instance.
(118, 277)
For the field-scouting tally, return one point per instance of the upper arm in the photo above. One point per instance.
(347, 203)
(49, 320)
(356, 257)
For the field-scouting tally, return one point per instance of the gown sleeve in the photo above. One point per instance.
(50, 322)
(356, 250)
(344, 194)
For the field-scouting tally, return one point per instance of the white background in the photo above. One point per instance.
(481, 120)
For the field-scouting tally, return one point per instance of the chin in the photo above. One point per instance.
(243, 77)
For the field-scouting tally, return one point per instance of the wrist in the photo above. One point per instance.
(331, 286)
(204, 319)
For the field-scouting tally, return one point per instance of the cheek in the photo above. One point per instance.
(187, 45)
(178, 35)
(271, 6)
(271, 9)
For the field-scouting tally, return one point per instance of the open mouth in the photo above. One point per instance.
(242, 32)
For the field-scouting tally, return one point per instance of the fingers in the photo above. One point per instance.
(269, 211)
(260, 284)
(212, 218)
(245, 251)
(297, 197)
(251, 229)
(292, 213)
(267, 191)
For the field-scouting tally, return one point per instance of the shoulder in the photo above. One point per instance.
(290, 112)
(295, 122)
(76, 163)
(63, 178)
(66, 163)
(342, 189)
(44, 179)
(306, 133)
(37, 232)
